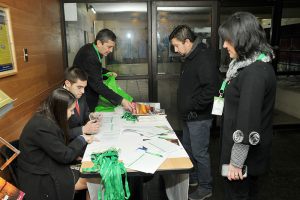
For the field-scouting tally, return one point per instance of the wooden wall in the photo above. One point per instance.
(36, 25)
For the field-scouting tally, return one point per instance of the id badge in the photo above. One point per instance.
(218, 106)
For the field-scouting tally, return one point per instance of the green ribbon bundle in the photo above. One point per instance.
(128, 116)
(110, 170)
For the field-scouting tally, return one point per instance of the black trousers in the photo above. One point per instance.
(247, 189)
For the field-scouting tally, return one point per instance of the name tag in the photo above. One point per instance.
(218, 106)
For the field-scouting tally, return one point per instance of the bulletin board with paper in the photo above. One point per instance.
(8, 65)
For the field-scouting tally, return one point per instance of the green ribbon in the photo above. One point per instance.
(110, 170)
(225, 83)
(97, 52)
(222, 89)
(261, 56)
(128, 116)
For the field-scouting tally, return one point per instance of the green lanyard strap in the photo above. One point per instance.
(225, 83)
(222, 89)
(110, 170)
(97, 52)
(261, 56)
(128, 116)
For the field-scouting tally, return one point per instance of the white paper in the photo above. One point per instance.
(128, 137)
(142, 161)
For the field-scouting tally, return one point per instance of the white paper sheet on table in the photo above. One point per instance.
(144, 132)
(147, 131)
(144, 162)
(103, 142)
(163, 145)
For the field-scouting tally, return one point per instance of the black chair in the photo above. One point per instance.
(6, 153)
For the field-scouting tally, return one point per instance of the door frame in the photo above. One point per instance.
(153, 93)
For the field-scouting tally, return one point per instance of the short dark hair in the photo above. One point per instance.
(244, 32)
(55, 108)
(181, 33)
(72, 74)
(104, 35)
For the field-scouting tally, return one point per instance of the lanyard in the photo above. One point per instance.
(225, 83)
(222, 89)
(97, 52)
(261, 56)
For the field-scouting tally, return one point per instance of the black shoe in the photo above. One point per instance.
(200, 194)
(193, 182)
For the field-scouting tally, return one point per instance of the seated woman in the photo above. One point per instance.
(44, 163)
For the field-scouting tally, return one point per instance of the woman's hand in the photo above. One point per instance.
(88, 138)
(91, 126)
(234, 173)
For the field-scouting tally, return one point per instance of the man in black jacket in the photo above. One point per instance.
(89, 59)
(197, 86)
(79, 122)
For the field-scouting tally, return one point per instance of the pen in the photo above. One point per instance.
(161, 137)
(145, 149)
(154, 154)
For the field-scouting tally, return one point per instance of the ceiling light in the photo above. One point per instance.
(92, 9)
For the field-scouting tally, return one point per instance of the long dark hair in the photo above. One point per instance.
(55, 108)
(245, 33)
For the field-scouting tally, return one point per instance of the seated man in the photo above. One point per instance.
(79, 123)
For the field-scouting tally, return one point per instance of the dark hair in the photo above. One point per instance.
(181, 33)
(245, 33)
(55, 108)
(104, 35)
(72, 74)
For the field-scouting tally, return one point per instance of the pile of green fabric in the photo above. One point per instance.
(111, 171)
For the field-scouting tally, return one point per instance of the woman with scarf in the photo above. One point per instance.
(249, 96)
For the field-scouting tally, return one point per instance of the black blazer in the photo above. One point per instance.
(87, 60)
(198, 84)
(43, 164)
(249, 104)
(76, 121)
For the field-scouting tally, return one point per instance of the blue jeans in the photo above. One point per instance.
(195, 140)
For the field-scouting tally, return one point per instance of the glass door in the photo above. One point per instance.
(129, 21)
(201, 17)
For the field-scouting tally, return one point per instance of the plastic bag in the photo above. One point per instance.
(105, 105)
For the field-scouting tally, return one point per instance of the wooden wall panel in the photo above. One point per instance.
(36, 25)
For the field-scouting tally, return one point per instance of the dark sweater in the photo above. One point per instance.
(198, 84)
(87, 60)
(249, 104)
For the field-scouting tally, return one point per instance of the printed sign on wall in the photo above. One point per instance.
(7, 52)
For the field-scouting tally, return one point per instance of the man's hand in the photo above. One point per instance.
(91, 126)
(127, 105)
(113, 74)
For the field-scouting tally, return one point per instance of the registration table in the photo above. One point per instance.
(139, 143)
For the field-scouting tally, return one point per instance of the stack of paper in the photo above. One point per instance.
(6, 103)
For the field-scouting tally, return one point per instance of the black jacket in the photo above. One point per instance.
(198, 84)
(249, 103)
(76, 121)
(87, 60)
(43, 164)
